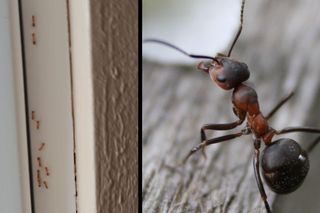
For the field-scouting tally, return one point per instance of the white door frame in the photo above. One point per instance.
(80, 36)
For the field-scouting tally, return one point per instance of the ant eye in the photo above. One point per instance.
(221, 78)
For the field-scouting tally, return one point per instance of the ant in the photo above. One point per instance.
(284, 163)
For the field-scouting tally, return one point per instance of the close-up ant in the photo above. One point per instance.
(284, 164)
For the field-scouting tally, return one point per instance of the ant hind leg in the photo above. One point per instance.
(256, 162)
(279, 105)
(313, 144)
(297, 129)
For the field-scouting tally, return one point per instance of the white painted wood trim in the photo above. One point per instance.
(50, 113)
(79, 11)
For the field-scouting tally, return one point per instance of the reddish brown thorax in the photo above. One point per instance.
(245, 100)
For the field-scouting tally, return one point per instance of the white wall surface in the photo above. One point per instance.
(10, 188)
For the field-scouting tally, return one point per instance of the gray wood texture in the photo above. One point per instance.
(281, 45)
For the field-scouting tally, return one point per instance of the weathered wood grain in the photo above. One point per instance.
(281, 46)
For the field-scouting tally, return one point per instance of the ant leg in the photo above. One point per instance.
(313, 144)
(256, 162)
(279, 105)
(209, 142)
(302, 129)
(227, 126)
(297, 129)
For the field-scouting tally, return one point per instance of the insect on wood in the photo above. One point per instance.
(283, 162)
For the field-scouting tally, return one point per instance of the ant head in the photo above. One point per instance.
(227, 73)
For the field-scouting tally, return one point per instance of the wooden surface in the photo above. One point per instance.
(281, 47)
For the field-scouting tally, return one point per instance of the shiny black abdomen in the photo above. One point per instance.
(284, 165)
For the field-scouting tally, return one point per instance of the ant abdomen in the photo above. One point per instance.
(285, 165)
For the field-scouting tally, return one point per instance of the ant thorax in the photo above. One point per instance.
(245, 100)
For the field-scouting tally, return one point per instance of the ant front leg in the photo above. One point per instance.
(226, 126)
(206, 143)
(256, 162)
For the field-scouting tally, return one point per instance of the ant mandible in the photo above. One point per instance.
(284, 163)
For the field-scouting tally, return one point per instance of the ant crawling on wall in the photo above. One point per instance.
(284, 163)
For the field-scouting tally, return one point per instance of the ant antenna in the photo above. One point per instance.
(239, 31)
(180, 50)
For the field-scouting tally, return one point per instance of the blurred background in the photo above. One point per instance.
(205, 27)
(280, 42)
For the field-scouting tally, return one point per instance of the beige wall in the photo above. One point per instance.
(115, 74)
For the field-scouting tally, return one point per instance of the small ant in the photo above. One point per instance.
(34, 40)
(284, 163)
(33, 20)
(39, 178)
(38, 124)
(47, 171)
(41, 146)
(33, 115)
(45, 184)
(39, 161)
